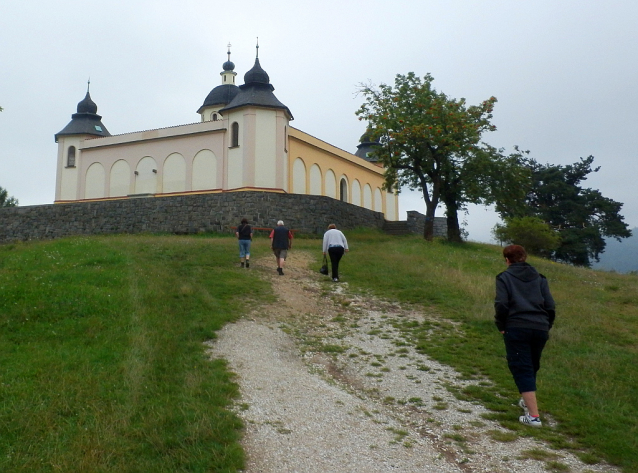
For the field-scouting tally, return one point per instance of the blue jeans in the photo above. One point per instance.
(244, 248)
(524, 347)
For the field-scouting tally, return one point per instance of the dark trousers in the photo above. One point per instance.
(335, 253)
(524, 347)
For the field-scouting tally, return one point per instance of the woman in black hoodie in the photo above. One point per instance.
(524, 314)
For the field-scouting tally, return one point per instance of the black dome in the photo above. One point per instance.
(256, 75)
(228, 66)
(220, 95)
(87, 105)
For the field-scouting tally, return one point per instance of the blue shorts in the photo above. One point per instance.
(244, 248)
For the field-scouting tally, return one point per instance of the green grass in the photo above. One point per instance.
(589, 376)
(102, 366)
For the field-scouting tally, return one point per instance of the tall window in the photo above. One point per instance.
(343, 191)
(70, 157)
(214, 117)
(234, 135)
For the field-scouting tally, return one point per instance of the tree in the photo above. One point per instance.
(5, 200)
(536, 236)
(583, 217)
(431, 142)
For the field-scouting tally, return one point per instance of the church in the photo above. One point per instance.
(241, 142)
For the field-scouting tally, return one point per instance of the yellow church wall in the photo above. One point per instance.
(329, 164)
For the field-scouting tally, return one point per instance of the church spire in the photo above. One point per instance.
(228, 76)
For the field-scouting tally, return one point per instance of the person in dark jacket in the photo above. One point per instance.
(244, 234)
(280, 242)
(524, 314)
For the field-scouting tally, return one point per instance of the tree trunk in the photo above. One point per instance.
(428, 231)
(453, 227)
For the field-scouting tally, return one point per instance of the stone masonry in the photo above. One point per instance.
(183, 215)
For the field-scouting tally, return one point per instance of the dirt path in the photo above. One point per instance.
(328, 385)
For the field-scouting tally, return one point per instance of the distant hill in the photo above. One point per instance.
(620, 256)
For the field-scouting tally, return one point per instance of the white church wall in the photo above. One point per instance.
(378, 201)
(67, 185)
(266, 149)
(95, 182)
(299, 177)
(146, 178)
(315, 180)
(174, 174)
(235, 175)
(367, 196)
(390, 206)
(120, 182)
(205, 171)
(356, 193)
(331, 184)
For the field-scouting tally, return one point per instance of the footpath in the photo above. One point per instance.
(329, 385)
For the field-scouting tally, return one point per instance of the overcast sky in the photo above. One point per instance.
(564, 73)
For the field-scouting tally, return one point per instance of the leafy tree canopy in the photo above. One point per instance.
(431, 142)
(536, 236)
(6, 200)
(583, 217)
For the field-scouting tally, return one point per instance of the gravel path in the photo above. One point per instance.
(327, 386)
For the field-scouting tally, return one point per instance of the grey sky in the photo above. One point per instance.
(564, 73)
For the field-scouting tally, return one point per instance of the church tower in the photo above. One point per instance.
(258, 124)
(84, 124)
(221, 95)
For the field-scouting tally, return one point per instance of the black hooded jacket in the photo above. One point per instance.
(523, 299)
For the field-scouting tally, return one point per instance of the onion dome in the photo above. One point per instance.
(86, 121)
(228, 66)
(256, 75)
(87, 105)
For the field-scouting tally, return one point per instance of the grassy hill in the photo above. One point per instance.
(102, 366)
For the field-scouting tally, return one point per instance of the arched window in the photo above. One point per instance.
(234, 135)
(70, 157)
(343, 190)
(214, 117)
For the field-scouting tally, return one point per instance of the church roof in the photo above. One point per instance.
(257, 91)
(86, 121)
(220, 95)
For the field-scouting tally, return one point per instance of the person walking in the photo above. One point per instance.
(280, 242)
(524, 314)
(335, 245)
(244, 235)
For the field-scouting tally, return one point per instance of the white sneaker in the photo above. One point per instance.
(335, 279)
(523, 406)
(531, 421)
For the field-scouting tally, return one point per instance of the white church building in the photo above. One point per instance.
(242, 141)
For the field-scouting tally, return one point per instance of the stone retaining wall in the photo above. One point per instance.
(183, 214)
(416, 224)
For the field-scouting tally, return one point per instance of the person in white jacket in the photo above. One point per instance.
(335, 245)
